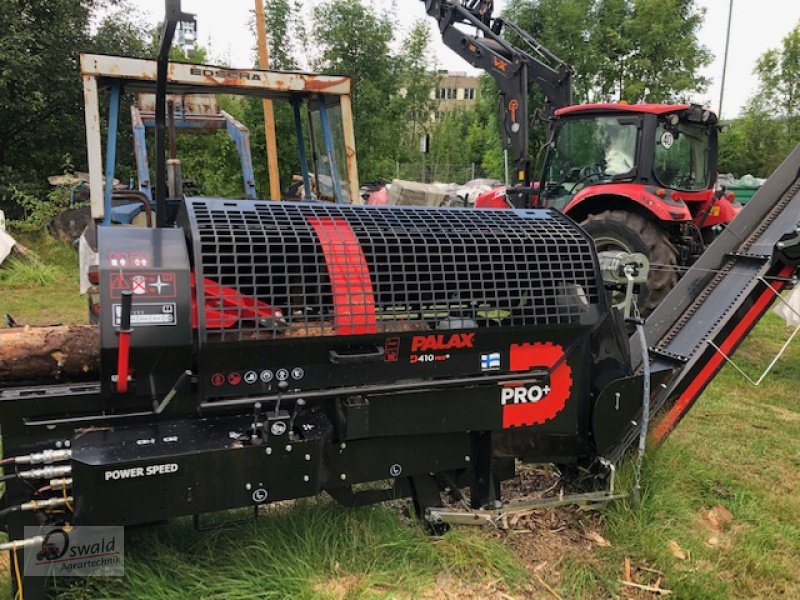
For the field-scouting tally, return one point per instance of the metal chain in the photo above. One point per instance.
(645, 418)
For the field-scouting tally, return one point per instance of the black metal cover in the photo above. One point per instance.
(335, 270)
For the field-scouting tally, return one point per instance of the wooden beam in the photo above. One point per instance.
(351, 164)
(269, 115)
(94, 146)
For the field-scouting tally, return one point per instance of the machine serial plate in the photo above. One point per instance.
(148, 314)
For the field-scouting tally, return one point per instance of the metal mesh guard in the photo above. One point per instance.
(274, 269)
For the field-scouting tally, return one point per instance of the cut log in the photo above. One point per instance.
(49, 353)
(70, 353)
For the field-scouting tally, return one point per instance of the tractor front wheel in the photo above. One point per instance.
(630, 232)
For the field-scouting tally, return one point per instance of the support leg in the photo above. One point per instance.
(483, 492)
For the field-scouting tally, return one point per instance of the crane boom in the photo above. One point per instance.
(512, 67)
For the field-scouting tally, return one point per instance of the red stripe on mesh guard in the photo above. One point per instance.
(353, 296)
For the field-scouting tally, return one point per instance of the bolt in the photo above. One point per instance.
(248, 486)
(467, 458)
(268, 450)
(306, 478)
(59, 444)
(67, 443)
(308, 457)
(342, 476)
(342, 445)
(634, 423)
(288, 447)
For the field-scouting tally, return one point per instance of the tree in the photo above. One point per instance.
(636, 50)
(665, 53)
(41, 116)
(779, 73)
(755, 144)
(354, 39)
(419, 79)
(41, 99)
(285, 29)
(770, 125)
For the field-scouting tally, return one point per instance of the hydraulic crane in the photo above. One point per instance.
(638, 177)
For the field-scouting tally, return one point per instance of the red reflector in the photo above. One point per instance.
(93, 275)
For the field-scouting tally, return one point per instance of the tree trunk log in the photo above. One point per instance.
(72, 352)
(49, 353)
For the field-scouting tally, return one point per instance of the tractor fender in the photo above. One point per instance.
(627, 196)
(722, 211)
(494, 198)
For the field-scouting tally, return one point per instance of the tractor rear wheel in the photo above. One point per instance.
(630, 232)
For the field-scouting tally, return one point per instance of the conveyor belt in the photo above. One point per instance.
(720, 299)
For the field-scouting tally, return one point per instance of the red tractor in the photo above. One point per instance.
(637, 177)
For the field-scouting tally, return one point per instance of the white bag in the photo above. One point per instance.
(791, 315)
(6, 243)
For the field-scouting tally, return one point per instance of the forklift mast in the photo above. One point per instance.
(512, 67)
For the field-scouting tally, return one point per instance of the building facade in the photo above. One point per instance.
(455, 90)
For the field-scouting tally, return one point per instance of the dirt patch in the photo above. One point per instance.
(338, 588)
(542, 538)
(784, 414)
(717, 522)
(448, 588)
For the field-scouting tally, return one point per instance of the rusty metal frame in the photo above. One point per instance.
(193, 122)
(100, 70)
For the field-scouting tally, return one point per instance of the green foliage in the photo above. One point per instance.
(353, 39)
(44, 293)
(664, 55)
(779, 73)
(286, 31)
(636, 50)
(418, 80)
(23, 272)
(35, 212)
(770, 126)
(40, 93)
(756, 144)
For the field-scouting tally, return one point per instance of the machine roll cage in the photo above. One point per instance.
(318, 92)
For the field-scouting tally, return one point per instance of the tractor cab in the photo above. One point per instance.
(639, 178)
(668, 147)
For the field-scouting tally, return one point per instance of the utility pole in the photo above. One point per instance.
(269, 115)
(725, 60)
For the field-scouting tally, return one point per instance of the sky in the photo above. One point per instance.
(757, 25)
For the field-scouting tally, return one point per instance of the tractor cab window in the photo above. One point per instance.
(590, 150)
(681, 158)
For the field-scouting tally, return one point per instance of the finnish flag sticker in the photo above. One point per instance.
(490, 362)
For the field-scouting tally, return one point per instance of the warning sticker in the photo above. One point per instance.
(123, 259)
(145, 284)
(148, 314)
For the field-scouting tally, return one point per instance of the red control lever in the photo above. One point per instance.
(124, 334)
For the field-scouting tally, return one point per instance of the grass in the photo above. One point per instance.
(739, 448)
(314, 549)
(46, 293)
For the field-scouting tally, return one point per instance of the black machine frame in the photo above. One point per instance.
(385, 362)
